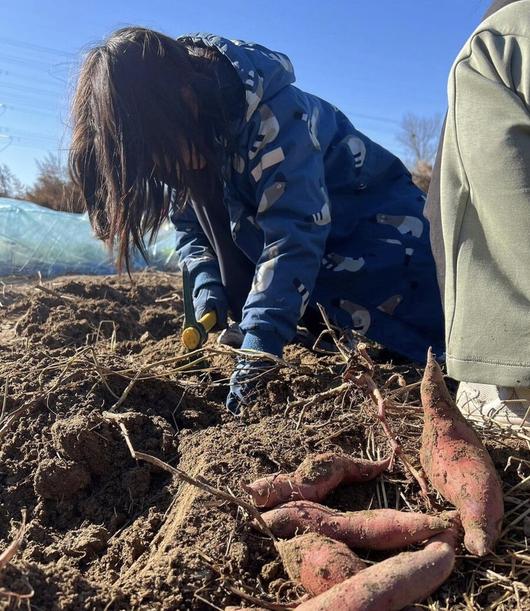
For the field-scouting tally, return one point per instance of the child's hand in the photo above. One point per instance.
(251, 373)
(246, 379)
(211, 298)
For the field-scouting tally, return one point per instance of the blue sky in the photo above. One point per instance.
(375, 60)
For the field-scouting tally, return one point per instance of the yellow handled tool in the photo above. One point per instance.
(195, 335)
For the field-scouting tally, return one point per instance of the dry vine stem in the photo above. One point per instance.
(54, 293)
(8, 554)
(198, 482)
(258, 601)
(365, 382)
(6, 422)
(307, 401)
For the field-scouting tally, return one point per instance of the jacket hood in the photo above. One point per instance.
(263, 72)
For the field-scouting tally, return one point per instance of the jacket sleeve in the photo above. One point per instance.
(485, 185)
(194, 249)
(293, 212)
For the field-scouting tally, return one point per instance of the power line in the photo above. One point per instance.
(32, 90)
(34, 64)
(18, 75)
(21, 140)
(23, 145)
(378, 118)
(28, 45)
(27, 109)
(10, 133)
(52, 69)
(15, 98)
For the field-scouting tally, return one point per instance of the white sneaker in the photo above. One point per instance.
(505, 405)
(231, 336)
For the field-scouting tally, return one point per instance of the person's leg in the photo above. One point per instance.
(381, 280)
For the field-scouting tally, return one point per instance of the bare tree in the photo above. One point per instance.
(421, 175)
(419, 137)
(53, 187)
(10, 185)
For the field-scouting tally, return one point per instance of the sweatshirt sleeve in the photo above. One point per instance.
(490, 93)
(293, 212)
(485, 187)
(194, 249)
(489, 133)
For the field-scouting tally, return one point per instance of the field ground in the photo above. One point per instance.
(107, 532)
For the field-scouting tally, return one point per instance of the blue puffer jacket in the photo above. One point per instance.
(325, 215)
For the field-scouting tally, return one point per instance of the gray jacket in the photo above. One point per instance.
(482, 212)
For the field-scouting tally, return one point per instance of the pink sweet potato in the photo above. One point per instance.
(458, 465)
(381, 529)
(392, 584)
(314, 479)
(318, 563)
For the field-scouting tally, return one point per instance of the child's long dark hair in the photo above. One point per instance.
(144, 106)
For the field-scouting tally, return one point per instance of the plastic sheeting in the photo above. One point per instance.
(34, 239)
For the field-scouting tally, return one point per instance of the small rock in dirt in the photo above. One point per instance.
(57, 479)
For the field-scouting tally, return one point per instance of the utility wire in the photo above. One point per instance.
(17, 133)
(34, 64)
(26, 109)
(15, 98)
(32, 90)
(18, 75)
(28, 45)
(378, 118)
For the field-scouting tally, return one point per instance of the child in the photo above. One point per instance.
(479, 208)
(279, 203)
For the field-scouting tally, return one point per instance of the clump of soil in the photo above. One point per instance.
(84, 311)
(77, 439)
(108, 532)
(59, 479)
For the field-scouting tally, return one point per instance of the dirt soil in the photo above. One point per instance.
(107, 532)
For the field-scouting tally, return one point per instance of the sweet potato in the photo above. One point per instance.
(318, 563)
(314, 479)
(371, 529)
(458, 465)
(392, 584)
